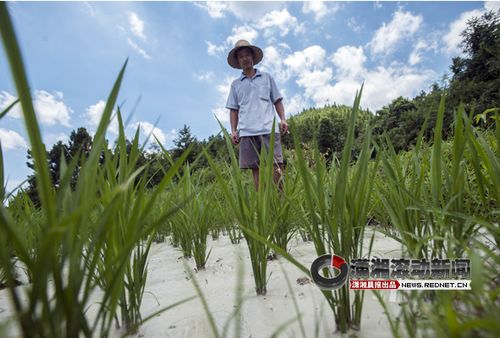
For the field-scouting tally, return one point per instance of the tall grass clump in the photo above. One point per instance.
(125, 230)
(195, 218)
(443, 203)
(226, 222)
(429, 192)
(180, 226)
(251, 208)
(336, 204)
(204, 220)
(89, 237)
(284, 209)
(29, 221)
(484, 157)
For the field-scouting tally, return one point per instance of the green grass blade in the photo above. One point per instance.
(108, 109)
(436, 171)
(2, 186)
(9, 107)
(23, 90)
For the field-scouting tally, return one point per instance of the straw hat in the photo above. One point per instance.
(257, 53)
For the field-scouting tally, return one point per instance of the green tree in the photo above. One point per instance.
(158, 166)
(427, 105)
(80, 143)
(400, 120)
(183, 140)
(325, 136)
(476, 77)
(216, 147)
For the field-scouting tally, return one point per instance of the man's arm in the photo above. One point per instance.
(280, 109)
(233, 118)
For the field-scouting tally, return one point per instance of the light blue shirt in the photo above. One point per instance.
(254, 99)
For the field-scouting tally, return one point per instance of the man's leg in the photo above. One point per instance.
(278, 176)
(255, 173)
(279, 166)
(249, 156)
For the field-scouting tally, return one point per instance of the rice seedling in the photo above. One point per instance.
(164, 228)
(448, 192)
(80, 231)
(195, 218)
(204, 220)
(180, 228)
(225, 221)
(484, 157)
(283, 206)
(29, 221)
(451, 184)
(126, 230)
(234, 234)
(336, 208)
(233, 325)
(427, 193)
(222, 219)
(98, 234)
(401, 185)
(251, 208)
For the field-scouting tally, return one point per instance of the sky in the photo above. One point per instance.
(318, 52)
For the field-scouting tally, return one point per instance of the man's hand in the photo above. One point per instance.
(234, 137)
(284, 127)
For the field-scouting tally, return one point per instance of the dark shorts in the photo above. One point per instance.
(250, 149)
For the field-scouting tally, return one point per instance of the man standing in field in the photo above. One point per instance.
(252, 101)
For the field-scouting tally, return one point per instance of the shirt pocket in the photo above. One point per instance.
(265, 93)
